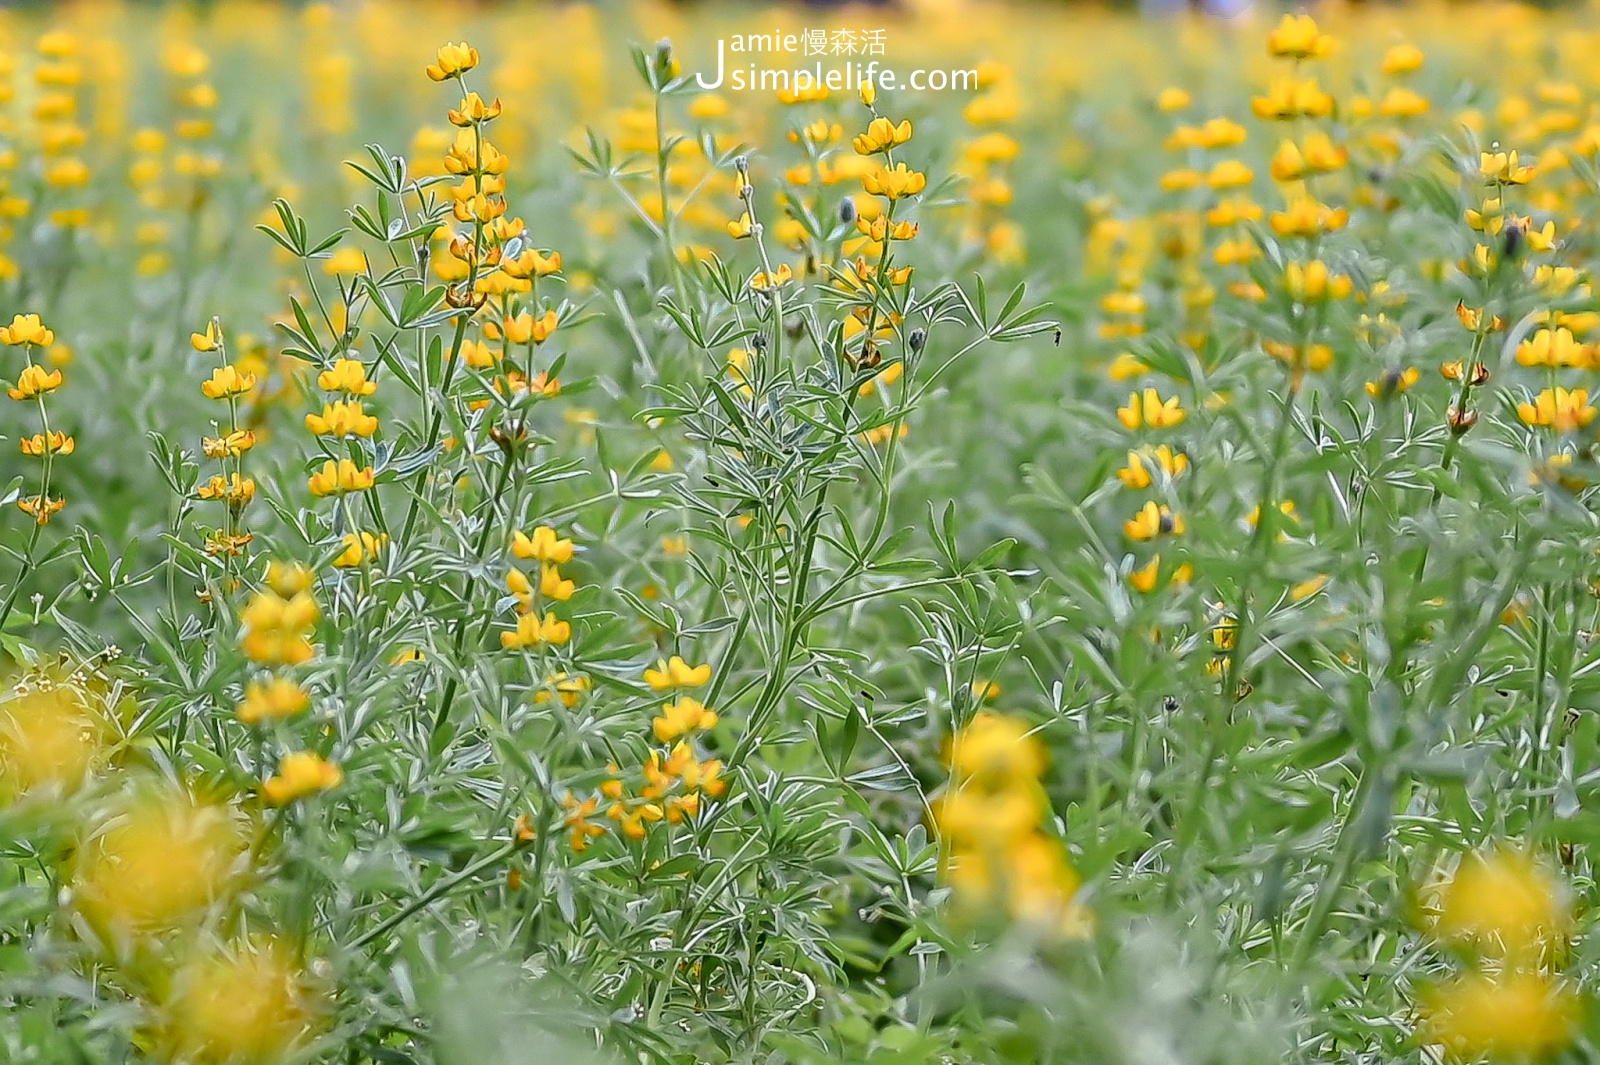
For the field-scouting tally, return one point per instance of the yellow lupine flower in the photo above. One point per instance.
(545, 545)
(234, 490)
(339, 477)
(26, 329)
(1173, 98)
(1148, 409)
(358, 548)
(1297, 37)
(1404, 58)
(1505, 900)
(232, 445)
(453, 61)
(1504, 1014)
(34, 381)
(1503, 168)
(1312, 282)
(164, 860)
(347, 375)
(54, 443)
(1393, 382)
(1554, 348)
(1146, 577)
(881, 135)
(534, 631)
(1137, 473)
(346, 262)
(473, 111)
(272, 700)
(1153, 520)
(894, 183)
(1291, 98)
(210, 340)
(553, 586)
(1561, 409)
(227, 381)
(681, 717)
(245, 1002)
(300, 773)
(342, 419)
(677, 673)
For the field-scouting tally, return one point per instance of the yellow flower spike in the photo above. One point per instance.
(276, 629)
(289, 579)
(299, 775)
(1125, 367)
(26, 329)
(545, 545)
(51, 741)
(453, 60)
(517, 584)
(1312, 282)
(347, 375)
(34, 381)
(677, 673)
(273, 700)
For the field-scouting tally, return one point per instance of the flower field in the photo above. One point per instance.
(511, 554)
